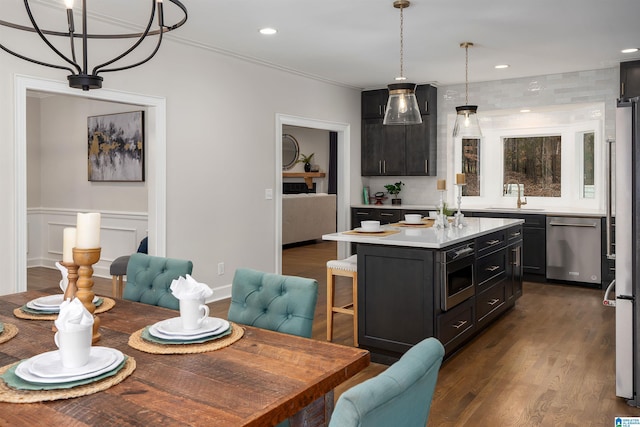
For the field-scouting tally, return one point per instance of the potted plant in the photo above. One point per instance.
(394, 190)
(306, 160)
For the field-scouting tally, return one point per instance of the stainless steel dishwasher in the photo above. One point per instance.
(574, 249)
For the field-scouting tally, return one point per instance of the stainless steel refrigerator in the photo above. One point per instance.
(626, 210)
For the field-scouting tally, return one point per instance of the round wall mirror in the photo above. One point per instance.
(290, 151)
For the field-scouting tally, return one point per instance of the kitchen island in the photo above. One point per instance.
(416, 282)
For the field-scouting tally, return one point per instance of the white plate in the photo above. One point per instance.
(360, 230)
(173, 327)
(32, 306)
(412, 223)
(50, 302)
(153, 330)
(46, 368)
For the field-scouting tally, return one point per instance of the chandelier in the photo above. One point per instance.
(80, 78)
(402, 106)
(467, 125)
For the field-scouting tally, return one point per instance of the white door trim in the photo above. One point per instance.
(155, 158)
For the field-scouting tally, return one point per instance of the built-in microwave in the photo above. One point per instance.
(457, 279)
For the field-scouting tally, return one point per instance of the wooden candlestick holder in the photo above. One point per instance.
(72, 276)
(85, 258)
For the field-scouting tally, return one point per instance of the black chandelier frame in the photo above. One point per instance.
(80, 77)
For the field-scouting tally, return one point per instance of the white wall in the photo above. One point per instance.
(220, 151)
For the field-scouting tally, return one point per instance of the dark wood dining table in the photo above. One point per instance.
(260, 380)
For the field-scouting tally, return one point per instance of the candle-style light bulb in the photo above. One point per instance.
(69, 4)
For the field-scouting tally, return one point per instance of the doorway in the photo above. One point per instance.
(156, 161)
(343, 184)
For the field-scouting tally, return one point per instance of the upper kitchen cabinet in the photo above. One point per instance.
(374, 103)
(629, 79)
(399, 150)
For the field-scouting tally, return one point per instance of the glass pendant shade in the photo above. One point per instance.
(467, 125)
(402, 106)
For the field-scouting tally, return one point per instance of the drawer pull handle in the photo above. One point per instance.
(516, 234)
(362, 213)
(493, 301)
(460, 324)
(385, 214)
(493, 242)
(492, 268)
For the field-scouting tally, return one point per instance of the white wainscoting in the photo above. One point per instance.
(120, 234)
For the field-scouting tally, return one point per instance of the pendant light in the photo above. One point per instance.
(467, 125)
(402, 106)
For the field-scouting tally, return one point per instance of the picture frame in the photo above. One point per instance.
(116, 147)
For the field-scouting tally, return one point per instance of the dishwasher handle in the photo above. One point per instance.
(572, 224)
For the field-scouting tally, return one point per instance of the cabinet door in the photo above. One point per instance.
(514, 271)
(374, 103)
(534, 257)
(629, 79)
(421, 148)
(427, 97)
(383, 148)
(395, 297)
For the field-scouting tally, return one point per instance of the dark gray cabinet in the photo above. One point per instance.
(629, 79)
(400, 290)
(395, 300)
(534, 245)
(385, 216)
(398, 150)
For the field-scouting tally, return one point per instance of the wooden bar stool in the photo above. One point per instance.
(348, 268)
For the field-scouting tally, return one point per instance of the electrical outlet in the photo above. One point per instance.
(220, 268)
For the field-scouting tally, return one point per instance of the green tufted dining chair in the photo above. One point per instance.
(399, 397)
(279, 303)
(149, 278)
(271, 301)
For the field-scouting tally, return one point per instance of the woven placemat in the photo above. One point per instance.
(423, 224)
(10, 331)
(107, 304)
(136, 341)
(380, 234)
(10, 395)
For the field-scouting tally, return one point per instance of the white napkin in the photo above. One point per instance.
(73, 316)
(65, 276)
(188, 288)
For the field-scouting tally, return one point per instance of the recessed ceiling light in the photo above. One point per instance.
(525, 111)
(268, 31)
(631, 50)
(501, 66)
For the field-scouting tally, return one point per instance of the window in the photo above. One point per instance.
(471, 166)
(534, 162)
(588, 165)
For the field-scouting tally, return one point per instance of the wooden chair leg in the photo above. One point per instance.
(120, 286)
(114, 286)
(330, 290)
(355, 308)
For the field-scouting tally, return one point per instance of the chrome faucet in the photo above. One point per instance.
(519, 202)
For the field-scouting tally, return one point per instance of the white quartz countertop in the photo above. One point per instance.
(431, 238)
(549, 211)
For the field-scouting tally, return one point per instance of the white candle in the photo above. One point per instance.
(461, 179)
(68, 243)
(88, 231)
(441, 185)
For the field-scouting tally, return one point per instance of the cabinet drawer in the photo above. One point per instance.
(456, 323)
(491, 300)
(490, 267)
(390, 215)
(514, 234)
(491, 242)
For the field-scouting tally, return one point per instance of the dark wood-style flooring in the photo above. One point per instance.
(548, 362)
